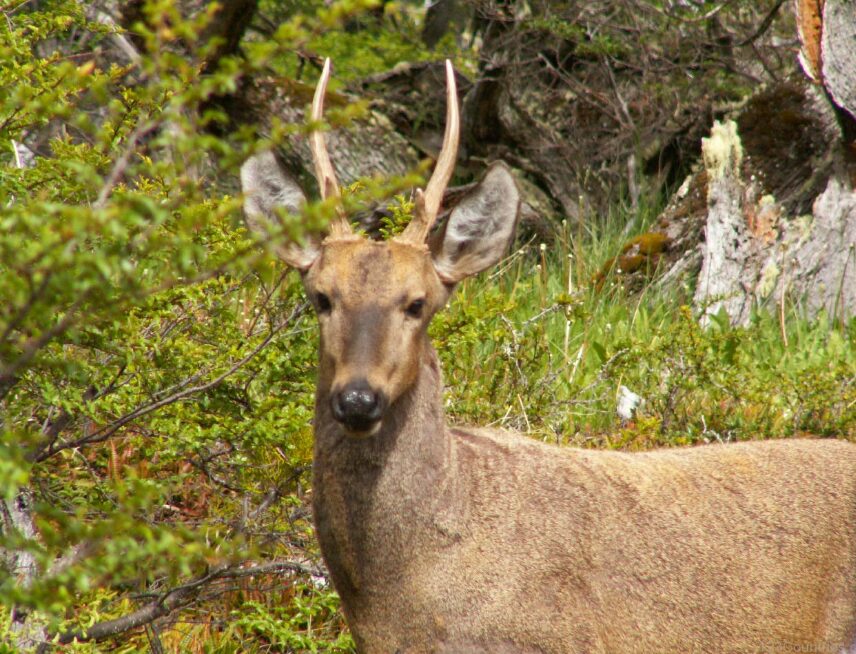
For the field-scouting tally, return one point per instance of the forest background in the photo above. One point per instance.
(157, 360)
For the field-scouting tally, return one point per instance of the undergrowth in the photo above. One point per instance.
(537, 348)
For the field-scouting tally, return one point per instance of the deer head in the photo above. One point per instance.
(374, 300)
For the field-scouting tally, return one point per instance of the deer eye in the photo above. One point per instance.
(414, 309)
(322, 302)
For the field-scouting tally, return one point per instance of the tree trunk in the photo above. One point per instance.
(229, 23)
(16, 522)
(780, 208)
(728, 243)
(755, 253)
(827, 31)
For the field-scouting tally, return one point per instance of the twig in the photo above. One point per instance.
(782, 301)
(699, 19)
(553, 308)
(764, 26)
(122, 162)
(201, 464)
(277, 491)
(149, 613)
(18, 318)
(32, 346)
(24, 157)
(118, 38)
(178, 597)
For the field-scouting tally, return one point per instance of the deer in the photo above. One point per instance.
(452, 539)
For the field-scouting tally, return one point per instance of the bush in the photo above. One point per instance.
(147, 342)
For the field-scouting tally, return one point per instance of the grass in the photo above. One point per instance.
(536, 347)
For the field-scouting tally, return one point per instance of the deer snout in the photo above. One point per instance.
(358, 407)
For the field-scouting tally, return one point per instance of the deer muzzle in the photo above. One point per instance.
(358, 407)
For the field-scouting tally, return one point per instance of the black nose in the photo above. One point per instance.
(357, 405)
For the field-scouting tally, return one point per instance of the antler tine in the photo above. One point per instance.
(428, 202)
(324, 171)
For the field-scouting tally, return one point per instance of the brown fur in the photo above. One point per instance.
(452, 540)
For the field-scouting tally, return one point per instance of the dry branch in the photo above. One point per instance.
(179, 597)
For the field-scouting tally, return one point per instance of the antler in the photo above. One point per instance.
(324, 171)
(428, 203)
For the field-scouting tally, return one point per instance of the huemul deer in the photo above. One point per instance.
(446, 539)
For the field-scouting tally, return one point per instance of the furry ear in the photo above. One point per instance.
(267, 186)
(480, 228)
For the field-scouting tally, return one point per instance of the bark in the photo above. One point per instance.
(531, 147)
(501, 120)
(368, 148)
(438, 17)
(808, 19)
(781, 227)
(179, 597)
(759, 251)
(413, 97)
(727, 244)
(228, 25)
(28, 629)
(827, 32)
(733, 222)
(143, 616)
(838, 58)
(820, 256)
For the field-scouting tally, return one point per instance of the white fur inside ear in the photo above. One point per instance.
(267, 186)
(480, 228)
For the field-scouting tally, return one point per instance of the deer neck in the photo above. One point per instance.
(374, 499)
(412, 438)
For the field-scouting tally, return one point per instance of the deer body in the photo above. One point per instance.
(446, 540)
(476, 541)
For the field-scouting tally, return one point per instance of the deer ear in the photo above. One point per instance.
(267, 186)
(479, 229)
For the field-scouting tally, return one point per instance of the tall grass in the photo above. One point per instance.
(536, 346)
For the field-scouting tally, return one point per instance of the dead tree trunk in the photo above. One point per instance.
(784, 230)
(755, 252)
(827, 31)
(728, 241)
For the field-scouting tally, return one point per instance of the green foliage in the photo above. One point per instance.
(145, 342)
(538, 348)
(400, 213)
(370, 44)
(289, 627)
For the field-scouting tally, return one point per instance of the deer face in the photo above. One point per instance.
(374, 300)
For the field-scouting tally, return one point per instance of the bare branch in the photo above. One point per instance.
(122, 162)
(179, 597)
(145, 615)
(8, 374)
(18, 318)
(764, 26)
